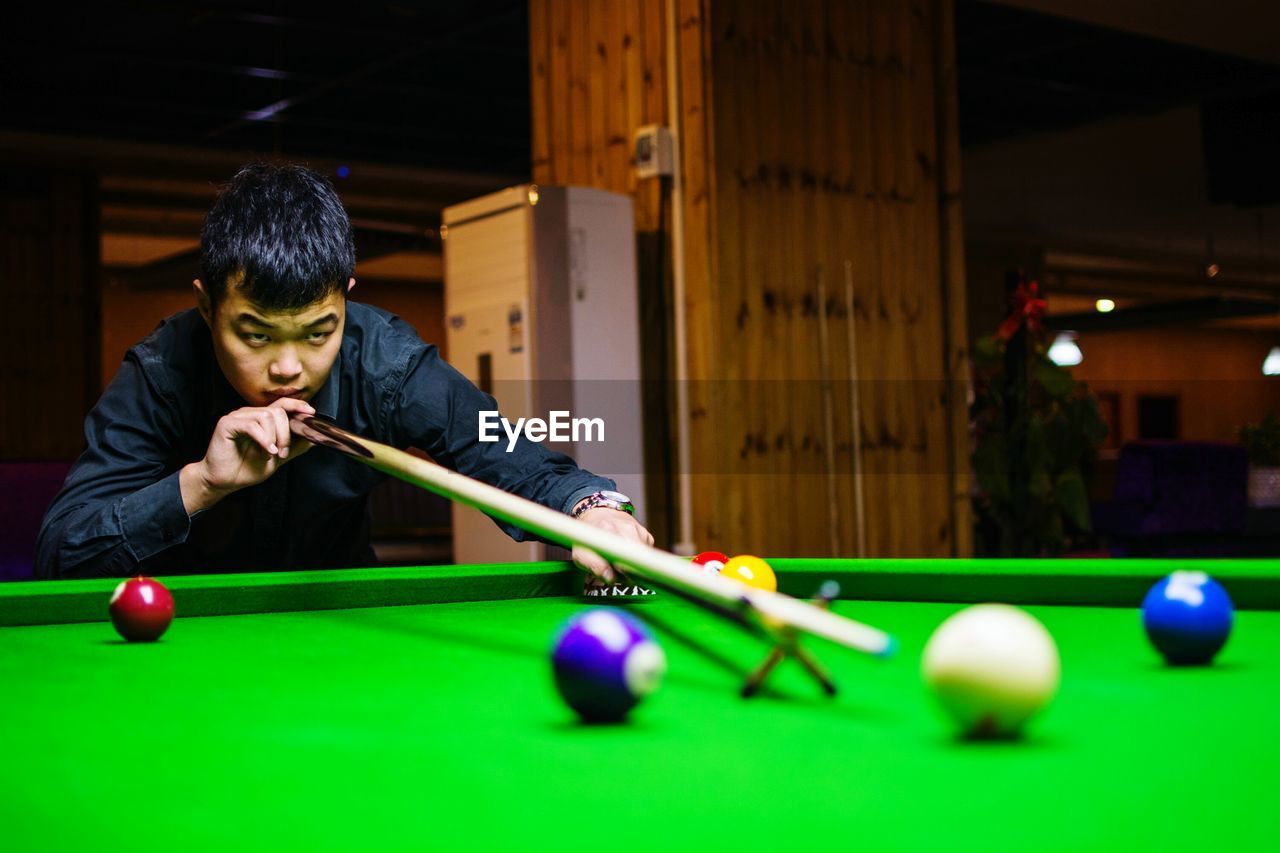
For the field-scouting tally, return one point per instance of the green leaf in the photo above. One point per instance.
(988, 351)
(1093, 427)
(1039, 454)
(991, 467)
(1040, 484)
(1073, 498)
(1056, 382)
(1262, 441)
(1054, 537)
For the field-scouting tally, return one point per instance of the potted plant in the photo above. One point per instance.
(1035, 433)
(1262, 441)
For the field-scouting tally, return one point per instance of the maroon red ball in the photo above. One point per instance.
(141, 609)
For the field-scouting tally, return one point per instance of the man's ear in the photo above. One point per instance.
(203, 302)
(351, 285)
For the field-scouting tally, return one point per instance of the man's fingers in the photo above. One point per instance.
(268, 426)
(279, 423)
(290, 404)
(265, 439)
(280, 410)
(594, 563)
(265, 420)
(614, 522)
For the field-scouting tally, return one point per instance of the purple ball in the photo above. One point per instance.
(605, 661)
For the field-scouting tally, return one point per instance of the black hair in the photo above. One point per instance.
(282, 226)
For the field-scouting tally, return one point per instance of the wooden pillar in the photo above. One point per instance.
(49, 286)
(817, 136)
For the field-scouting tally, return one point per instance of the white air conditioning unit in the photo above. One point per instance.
(542, 312)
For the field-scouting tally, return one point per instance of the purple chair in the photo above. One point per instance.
(26, 490)
(1177, 499)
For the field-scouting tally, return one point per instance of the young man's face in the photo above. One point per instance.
(268, 354)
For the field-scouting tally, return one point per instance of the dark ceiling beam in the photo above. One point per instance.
(376, 67)
(336, 25)
(373, 240)
(120, 58)
(169, 273)
(1161, 315)
(1233, 281)
(177, 110)
(395, 87)
(112, 156)
(155, 221)
(155, 208)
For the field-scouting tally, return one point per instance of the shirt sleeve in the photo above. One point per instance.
(437, 410)
(121, 503)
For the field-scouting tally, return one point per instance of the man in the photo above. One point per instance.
(190, 464)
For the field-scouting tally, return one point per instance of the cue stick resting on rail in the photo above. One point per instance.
(645, 561)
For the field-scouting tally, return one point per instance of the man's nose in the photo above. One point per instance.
(286, 365)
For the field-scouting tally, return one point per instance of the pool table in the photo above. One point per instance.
(413, 707)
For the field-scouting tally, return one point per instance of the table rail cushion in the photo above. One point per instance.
(1252, 584)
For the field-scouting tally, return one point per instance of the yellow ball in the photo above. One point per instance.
(752, 571)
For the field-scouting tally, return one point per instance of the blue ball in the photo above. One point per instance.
(1188, 617)
(605, 661)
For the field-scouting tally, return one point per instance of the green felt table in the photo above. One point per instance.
(413, 708)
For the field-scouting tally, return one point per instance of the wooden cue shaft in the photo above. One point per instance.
(855, 407)
(645, 561)
(828, 416)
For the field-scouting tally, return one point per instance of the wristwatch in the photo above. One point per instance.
(608, 500)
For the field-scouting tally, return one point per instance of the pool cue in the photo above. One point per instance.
(828, 416)
(772, 609)
(855, 406)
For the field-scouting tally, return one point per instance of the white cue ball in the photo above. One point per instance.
(992, 667)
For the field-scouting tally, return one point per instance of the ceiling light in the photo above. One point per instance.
(1271, 364)
(1105, 306)
(1066, 353)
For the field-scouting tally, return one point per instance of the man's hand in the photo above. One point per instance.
(615, 521)
(247, 447)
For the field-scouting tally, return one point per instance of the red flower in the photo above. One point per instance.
(1028, 307)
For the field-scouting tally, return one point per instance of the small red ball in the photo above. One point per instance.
(141, 609)
(711, 561)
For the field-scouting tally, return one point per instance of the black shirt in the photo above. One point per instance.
(120, 510)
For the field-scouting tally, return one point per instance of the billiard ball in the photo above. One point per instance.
(991, 668)
(711, 562)
(752, 571)
(141, 609)
(605, 661)
(1187, 616)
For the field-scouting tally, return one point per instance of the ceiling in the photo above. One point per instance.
(1245, 28)
(431, 84)
(427, 103)
(439, 85)
(1023, 72)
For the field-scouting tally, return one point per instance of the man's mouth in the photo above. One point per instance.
(277, 393)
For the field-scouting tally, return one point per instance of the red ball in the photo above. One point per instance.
(141, 609)
(711, 561)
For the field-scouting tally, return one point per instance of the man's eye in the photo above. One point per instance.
(317, 337)
(255, 337)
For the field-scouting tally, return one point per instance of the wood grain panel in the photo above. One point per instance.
(814, 132)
